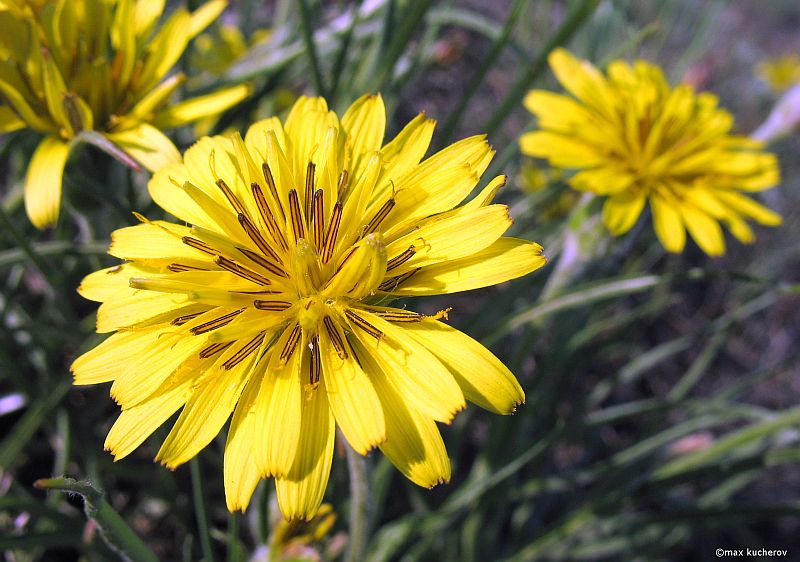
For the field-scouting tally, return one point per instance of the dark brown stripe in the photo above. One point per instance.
(258, 240)
(199, 245)
(392, 284)
(273, 268)
(382, 213)
(400, 259)
(241, 271)
(333, 232)
(315, 363)
(180, 268)
(398, 315)
(335, 336)
(231, 197)
(318, 219)
(181, 320)
(270, 179)
(310, 171)
(213, 349)
(216, 323)
(296, 216)
(291, 343)
(364, 325)
(273, 306)
(244, 352)
(267, 216)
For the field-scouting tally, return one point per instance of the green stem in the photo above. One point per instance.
(26, 249)
(311, 48)
(200, 510)
(567, 29)
(359, 506)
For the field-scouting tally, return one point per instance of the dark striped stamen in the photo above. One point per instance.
(272, 306)
(257, 238)
(382, 213)
(399, 315)
(310, 171)
(273, 268)
(335, 336)
(267, 216)
(333, 232)
(400, 259)
(318, 219)
(241, 271)
(270, 179)
(364, 325)
(231, 197)
(344, 178)
(296, 216)
(244, 352)
(216, 322)
(199, 245)
(181, 320)
(180, 268)
(213, 349)
(315, 364)
(291, 343)
(392, 284)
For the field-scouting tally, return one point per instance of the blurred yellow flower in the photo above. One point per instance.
(636, 139)
(780, 73)
(74, 65)
(273, 305)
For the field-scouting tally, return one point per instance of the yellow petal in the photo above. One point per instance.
(43, 182)
(413, 442)
(405, 150)
(199, 107)
(156, 97)
(748, 207)
(602, 181)
(352, 397)
(156, 238)
(130, 311)
(147, 145)
(301, 491)
(240, 467)
(668, 224)
(135, 424)
(9, 120)
(482, 377)
(487, 194)
(442, 237)
(582, 80)
(146, 15)
(108, 360)
(705, 230)
(208, 408)
(164, 49)
(105, 284)
(442, 181)
(278, 412)
(365, 124)
(556, 111)
(620, 211)
(506, 259)
(204, 15)
(560, 150)
(413, 370)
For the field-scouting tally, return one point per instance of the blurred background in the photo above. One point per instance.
(661, 420)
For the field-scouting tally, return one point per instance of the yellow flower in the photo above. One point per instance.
(637, 140)
(273, 304)
(74, 65)
(780, 73)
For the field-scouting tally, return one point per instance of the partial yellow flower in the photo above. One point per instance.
(780, 73)
(273, 305)
(636, 139)
(74, 65)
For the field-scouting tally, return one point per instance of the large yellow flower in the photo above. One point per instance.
(273, 304)
(637, 140)
(74, 65)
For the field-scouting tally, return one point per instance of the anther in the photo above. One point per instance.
(244, 352)
(241, 271)
(364, 325)
(199, 245)
(344, 178)
(231, 197)
(333, 232)
(216, 323)
(181, 320)
(272, 306)
(315, 364)
(273, 268)
(180, 268)
(335, 336)
(391, 284)
(214, 349)
(310, 170)
(270, 180)
(291, 343)
(296, 215)
(400, 259)
(257, 238)
(382, 213)
(318, 219)
(267, 216)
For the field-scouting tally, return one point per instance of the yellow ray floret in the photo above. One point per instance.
(77, 65)
(634, 138)
(271, 307)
